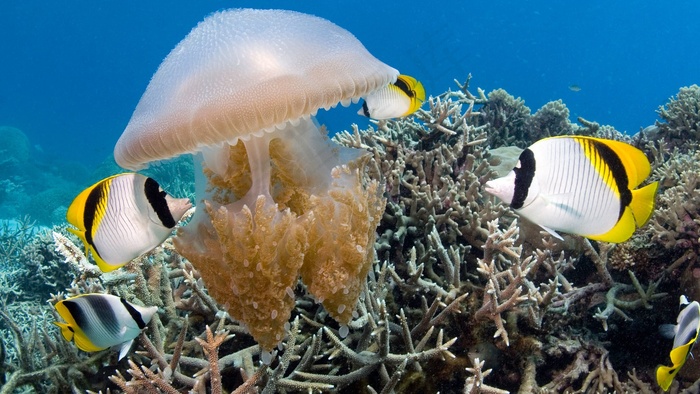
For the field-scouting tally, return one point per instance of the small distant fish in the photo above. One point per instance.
(580, 185)
(98, 321)
(122, 217)
(397, 99)
(574, 88)
(684, 335)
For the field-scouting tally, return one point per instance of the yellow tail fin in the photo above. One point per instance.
(665, 375)
(643, 201)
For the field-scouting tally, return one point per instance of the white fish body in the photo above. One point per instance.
(685, 334)
(123, 217)
(579, 185)
(99, 321)
(398, 99)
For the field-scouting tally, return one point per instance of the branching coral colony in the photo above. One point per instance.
(462, 295)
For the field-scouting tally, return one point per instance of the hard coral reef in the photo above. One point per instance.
(681, 118)
(461, 296)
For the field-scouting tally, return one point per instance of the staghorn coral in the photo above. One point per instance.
(453, 267)
(506, 119)
(681, 115)
(30, 266)
(521, 289)
(34, 355)
(550, 120)
(311, 355)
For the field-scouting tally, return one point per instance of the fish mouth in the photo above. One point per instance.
(489, 188)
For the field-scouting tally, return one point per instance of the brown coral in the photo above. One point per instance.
(250, 252)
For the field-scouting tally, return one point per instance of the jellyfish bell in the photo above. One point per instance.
(243, 72)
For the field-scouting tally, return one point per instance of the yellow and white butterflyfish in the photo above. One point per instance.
(122, 217)
(685, 334)
(395, 100)
(580, 185)
(99, 321)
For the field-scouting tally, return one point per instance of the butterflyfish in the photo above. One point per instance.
(99, 321)
(685, 334)
(580, 185)
(395, 100)
(122, 217)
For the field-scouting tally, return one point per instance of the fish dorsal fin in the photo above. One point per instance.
(680, 354)
(634, 161)
(66, 331)
(76, 210)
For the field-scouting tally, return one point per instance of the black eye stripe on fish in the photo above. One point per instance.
(124, 216)
(365, 109)
(156, 197)
(136, 315)
(523, 178)
(583, 185)
(98, 321)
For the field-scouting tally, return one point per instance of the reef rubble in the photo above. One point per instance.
(462, 295)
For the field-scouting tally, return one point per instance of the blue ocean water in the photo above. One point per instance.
(71, 74)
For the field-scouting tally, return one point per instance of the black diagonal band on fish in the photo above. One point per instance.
(394, 100)
(100, 321)
(124, 216)
(580, 185)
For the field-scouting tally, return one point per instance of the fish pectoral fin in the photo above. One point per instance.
(642, 203)
(667, 330)
(563, 202)
(634, 161)
(665, 375)
(124, 348)
(552, 232)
